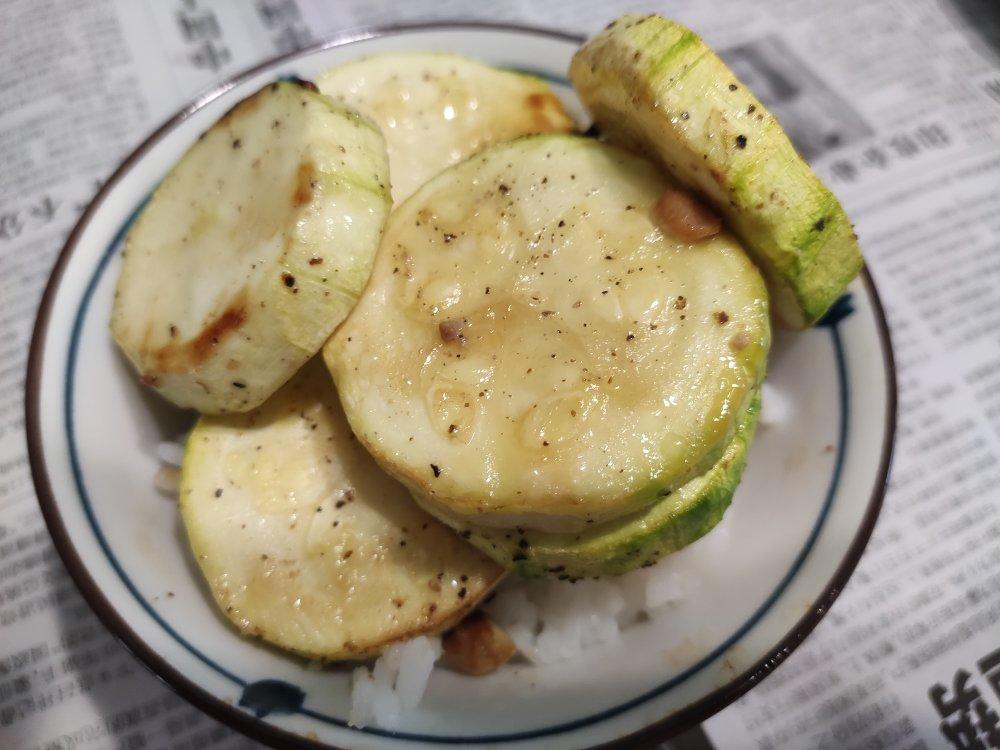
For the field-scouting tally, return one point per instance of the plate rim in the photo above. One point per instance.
(258, 729)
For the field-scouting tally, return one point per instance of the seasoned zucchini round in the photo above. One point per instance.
(252, 249)
(435, 108)
(306, 544)
(533, 350)
(653, 85)
(637, 540)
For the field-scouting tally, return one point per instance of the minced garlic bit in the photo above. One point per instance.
(477, 646)
(451, 331)
(682, 215)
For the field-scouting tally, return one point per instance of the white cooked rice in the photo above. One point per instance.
(168, 481)
(395, 684)
(774, 407)
(549, 620)
(553, 621)
(171, 452)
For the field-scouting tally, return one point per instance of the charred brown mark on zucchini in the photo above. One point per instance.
(241, 109)
(305, 184)
(296, 81)
(546, 110)
(180, 357)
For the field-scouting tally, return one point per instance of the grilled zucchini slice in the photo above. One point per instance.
(653, 85)
(306, 544)
(252, 249)
(637, 540)
(435, 109)
(533, 350)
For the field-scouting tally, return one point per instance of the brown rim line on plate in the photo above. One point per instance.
(260, 730)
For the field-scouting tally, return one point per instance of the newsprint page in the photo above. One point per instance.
(897, 105)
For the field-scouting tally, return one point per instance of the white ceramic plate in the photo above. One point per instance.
(761, 581)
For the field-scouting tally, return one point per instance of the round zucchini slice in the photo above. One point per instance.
(533, 350)
(651, 84)
(637, 540)
(435, 109)
(306, 544)
(252, 249)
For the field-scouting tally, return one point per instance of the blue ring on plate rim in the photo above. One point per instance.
(246, 722)
(840, 310)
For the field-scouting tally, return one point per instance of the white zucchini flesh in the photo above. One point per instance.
(252, 249)
(306, 543)
(435, 109)
(533, 350)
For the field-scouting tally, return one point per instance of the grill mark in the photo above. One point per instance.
(230, 320)
(242, 108)
(304, 184)
(542, 106)
(185, 356)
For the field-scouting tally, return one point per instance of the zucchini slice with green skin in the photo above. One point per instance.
(435, 109)
(533, 350)
(306, 543)
(638, 540)
(252, 249)
(653, 85)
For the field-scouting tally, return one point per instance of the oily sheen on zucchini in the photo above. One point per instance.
(637, 540)
(436, 108)
(653, 85)
(252, 249)
(306, 544)
(533, 350)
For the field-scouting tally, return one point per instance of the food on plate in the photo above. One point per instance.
(653, 85)
(533, 351)
(556, 354)
(436, 108)
(306, 544)
(635, 540)
(252, 249)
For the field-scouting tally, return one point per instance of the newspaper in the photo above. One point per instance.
(897, 105)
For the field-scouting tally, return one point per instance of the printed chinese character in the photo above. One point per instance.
(174, 726)
(989, 725)
(989, 666)
(275, 13)
(210, 55)
(11, 225)
(292, 38)
(904, 145)
(968, 723)
(196, 27)
(992, 89)
(933, 135)
(844, 170)
(44, 210)
(876, 157)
